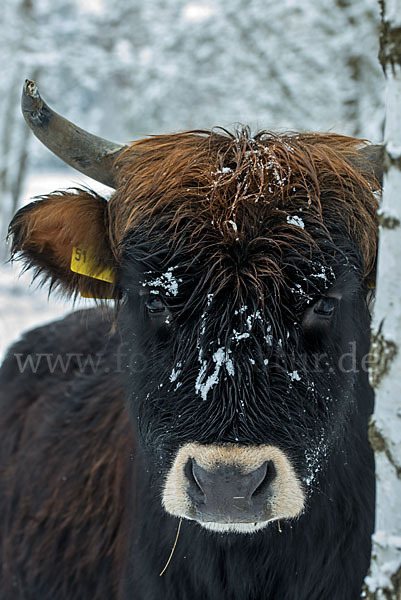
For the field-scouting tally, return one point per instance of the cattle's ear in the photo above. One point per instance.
(375, 157)
(64, 238)
(369, 160)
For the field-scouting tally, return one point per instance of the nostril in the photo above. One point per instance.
(194, 490)
(266, 474)
(197, 474)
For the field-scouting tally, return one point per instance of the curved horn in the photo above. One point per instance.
(87, 153)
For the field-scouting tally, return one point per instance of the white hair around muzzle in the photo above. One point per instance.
(286, 498)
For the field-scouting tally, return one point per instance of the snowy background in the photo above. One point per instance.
(124, 69)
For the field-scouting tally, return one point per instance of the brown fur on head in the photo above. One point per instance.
(211, 178)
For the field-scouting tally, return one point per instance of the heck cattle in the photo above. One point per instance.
(226, 398)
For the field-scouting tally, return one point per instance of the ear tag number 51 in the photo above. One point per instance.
(83, 262)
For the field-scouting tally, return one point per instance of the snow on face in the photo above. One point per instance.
(175, 372)
(313, 457)
(269, 335)
(167, 282)
(240, 336)
(294, 376)
(221, 358)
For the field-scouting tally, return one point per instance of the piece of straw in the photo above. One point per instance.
(173, 548)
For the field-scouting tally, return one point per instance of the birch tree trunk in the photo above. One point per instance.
(384, 579)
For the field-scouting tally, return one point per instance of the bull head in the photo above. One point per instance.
(47, 233)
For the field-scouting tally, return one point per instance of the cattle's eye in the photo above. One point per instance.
(326, 306)
(155, 304)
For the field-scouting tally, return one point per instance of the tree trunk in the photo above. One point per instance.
(14, 135)
(384, 579)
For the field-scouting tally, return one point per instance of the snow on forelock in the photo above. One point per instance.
(257, 155)
(295, 220)
(320, 276)
(167, 282)
(223, 171)
(274, 166)
(324, 272)
(221, 358)
(299, 291)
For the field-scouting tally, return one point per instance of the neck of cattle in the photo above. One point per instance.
(231, 402)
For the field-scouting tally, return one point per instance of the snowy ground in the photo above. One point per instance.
(23, 306)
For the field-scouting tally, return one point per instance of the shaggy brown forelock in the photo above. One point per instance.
(216, 180)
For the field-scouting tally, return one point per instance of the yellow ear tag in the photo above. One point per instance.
(83, 262)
